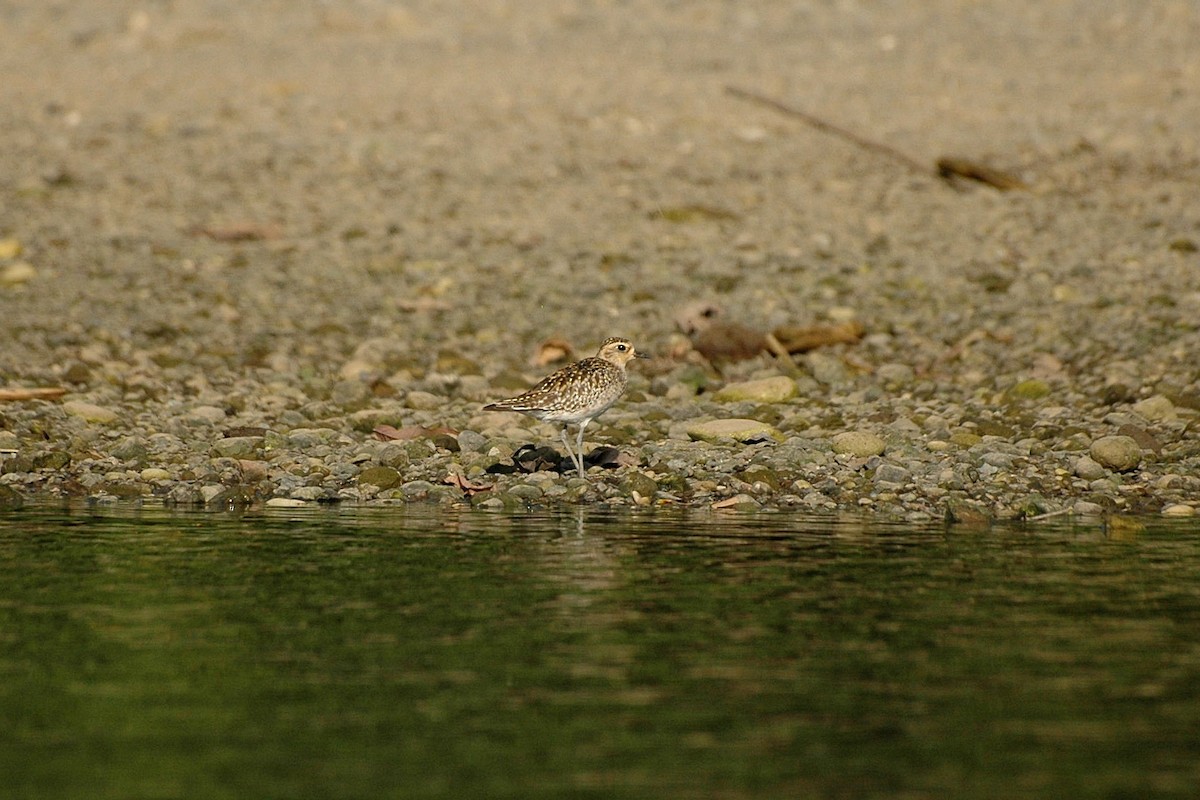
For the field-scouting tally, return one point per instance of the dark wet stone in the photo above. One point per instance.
(53, 459)
(383, 477)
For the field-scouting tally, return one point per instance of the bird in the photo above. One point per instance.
(577, 393)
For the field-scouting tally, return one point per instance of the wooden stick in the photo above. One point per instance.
(830, 128)
(32, 394)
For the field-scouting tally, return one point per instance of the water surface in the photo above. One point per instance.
(410, 653)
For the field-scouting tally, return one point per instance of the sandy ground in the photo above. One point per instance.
(266, 185)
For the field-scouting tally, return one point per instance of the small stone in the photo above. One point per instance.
(1032, 389)
(775, 389)
(858, 443)
(16, 273)
(895, 374)
(1120, 453)
(393, 455)
(641, 483)
(826, 369)
(253, 471)
(526, 492)
(131, 448)
(90, 412)
(383, 477)
(286, 502)
(1085, 508)
(472, 442)
(892, 474)
(351, 395)
(424, 401)
(237, 447)
(417, 490)
(963, 512)
(310, 493)
(740, 430)
(1179, 510)
(52, 459)
(214, 494)
(9, 248)
(183, 495)
(1156, 409)
(760, 473)
(965, 439)
(208, 414)
(152, 474)
(739, 502)
(1088, 468)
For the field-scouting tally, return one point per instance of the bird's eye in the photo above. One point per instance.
(622, 348)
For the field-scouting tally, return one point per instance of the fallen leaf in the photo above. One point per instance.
(468, 487)
(239, 232)
(552, 351)
(800, 340)
(389, 433)
(949, 167)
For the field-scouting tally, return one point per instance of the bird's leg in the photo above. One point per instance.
(567, 444)
(579, 448)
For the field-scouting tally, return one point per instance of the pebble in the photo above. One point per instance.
(891, 474)
(776, 389)
(90, 412)
(17, 273)
(1088, 468)
(740, 430)
(1179, 510)
(1120, 453)
(1156, 409)
(286, 502)
(858, 443)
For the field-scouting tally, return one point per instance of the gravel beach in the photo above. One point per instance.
(283, 253)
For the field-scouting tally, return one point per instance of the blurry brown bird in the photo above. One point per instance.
(718, 340)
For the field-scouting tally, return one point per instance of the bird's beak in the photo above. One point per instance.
(638, 354)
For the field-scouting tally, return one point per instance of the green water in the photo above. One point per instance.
(392, 653)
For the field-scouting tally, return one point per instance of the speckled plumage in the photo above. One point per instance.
(577, 393)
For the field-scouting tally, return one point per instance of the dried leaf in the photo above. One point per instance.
(552, 351)
(949, 167)
(800, 340)
(389, 433)
(239, 232)
(693, 213)
(469, 488)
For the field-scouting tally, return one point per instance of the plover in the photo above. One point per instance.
(577, 393)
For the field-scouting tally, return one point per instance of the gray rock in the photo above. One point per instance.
(1120, 453)
(894, 374)
(826, 369)
(1156, 409)
(238, 447)
(526, 492)
(417, 490)
(891, 474)
(1088, 468)
(472, 442)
